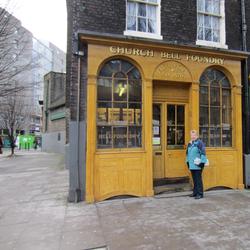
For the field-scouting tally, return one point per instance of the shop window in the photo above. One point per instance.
(119, 106)
(215, 109)
(211, 23)
(143, 18)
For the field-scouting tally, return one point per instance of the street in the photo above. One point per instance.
(35, 215)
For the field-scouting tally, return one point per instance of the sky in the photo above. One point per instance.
(46, 19)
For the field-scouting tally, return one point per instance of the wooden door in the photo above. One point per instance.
(176, 138)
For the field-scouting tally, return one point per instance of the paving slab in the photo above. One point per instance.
(35, 214)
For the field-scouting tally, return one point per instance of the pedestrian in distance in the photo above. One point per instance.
(196, 160)
(1, 145)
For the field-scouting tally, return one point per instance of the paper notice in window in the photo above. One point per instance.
(156, 141)
(156, 130)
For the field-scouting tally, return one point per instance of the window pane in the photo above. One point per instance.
(171, 135)
(142, 9)
(204, 135)
(203, 95)
(225, 82)
(200, 20)
(120, 90)
(119, 114)
(214, 96)
(120, 137)
(208, 34)
(156, 124)
(200, 33)
(103, 113)
(151, 26)
(201, 5)
(151, 12)
(142, 24)
(115, 65)
(126, 67)
(131, 22)
(226, 116)
(214, 116)
(104, 137)
(180, 115)
(171, 115)
(204, 116)
(208, 6)
(226, 136)
(104, 89)
(208, 21)
(135, 89)
(106, 71)
(216, 7)
(180, 135)
(134, 113)
(215, 137)
(134, 74)
(226, 98)
(131, 9)
(216, 23)
(134, 137)
(216, 36)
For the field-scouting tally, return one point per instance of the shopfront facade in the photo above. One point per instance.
(142, 101)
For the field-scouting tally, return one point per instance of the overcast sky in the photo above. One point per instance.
(46, 19)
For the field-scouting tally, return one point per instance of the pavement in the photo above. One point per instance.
(35, 214)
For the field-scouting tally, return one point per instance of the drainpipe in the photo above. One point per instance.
(78, 190)
(245, 80)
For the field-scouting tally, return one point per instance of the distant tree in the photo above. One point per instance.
(15, 114)
(15, 53)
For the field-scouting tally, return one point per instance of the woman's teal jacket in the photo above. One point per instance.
(195, 149)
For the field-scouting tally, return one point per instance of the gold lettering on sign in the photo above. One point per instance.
(172, 70)
(205, 59)
(131, 51)
(166, 55)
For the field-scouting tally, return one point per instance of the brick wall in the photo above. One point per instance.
(178, 21)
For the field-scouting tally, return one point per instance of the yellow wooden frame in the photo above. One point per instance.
(129, 171)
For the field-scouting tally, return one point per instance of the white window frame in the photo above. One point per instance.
(149, 35)
(222, 43)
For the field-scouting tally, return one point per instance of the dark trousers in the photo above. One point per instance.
(197, 180)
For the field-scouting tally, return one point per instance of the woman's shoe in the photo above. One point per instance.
(192, 195)
(198, 197)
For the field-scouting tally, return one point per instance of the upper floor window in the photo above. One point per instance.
(215, 109)
(143, 18)
(119, 106)
(211, 23)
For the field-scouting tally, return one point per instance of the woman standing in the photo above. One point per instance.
(196, 159)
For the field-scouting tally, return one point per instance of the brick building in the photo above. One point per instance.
(54, 124)
(140, 75)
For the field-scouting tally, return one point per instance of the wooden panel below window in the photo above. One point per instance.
(119, 174)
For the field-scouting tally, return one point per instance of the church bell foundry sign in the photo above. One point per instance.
(166, 55)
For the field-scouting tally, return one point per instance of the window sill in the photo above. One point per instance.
(211, 44)
(142, 34)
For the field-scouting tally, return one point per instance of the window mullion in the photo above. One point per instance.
(209, 115)
(221, 116)
(175, 125)
(127, 110)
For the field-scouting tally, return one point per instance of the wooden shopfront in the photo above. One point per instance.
(142, 101)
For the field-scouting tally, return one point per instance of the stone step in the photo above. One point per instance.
(172, 188)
